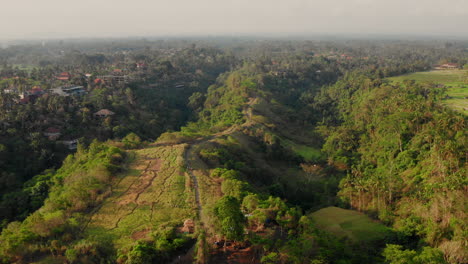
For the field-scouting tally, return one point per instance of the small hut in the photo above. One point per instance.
(104, 113)
(189, 226)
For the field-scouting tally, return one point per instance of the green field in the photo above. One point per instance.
(23, 67)
(309, 154)
(456, 82)
(348, 223)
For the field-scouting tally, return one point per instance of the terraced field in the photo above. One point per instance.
(156, 192)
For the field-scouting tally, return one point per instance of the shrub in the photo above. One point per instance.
(142, 253)
(234, 188)
(131, 141)
(228, 212)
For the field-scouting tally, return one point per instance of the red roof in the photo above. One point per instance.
(37, 89)
(64, 76)
(52, 130)
(104, 112)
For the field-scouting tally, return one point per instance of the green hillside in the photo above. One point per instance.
(152, 196)
(456, 82)
(238, 156)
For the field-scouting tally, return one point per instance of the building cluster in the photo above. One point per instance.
(54, 133)
(30, 95)
(64, 76)
(115, 77)
(69, 90)
(446, 66)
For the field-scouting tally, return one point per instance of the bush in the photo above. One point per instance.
(395, 254)
(132, 141)
(234, 188)
(78, 185)
(228, 212)
(142, 253)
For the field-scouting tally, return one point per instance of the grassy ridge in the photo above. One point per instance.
(456, 82)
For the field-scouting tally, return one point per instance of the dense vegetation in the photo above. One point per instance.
(79, 185)
(269, 132)
(148, 105)
(405, 156)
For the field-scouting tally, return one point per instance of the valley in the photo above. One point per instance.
(239, 151)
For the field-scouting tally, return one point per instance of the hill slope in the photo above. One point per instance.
(232, 186)
(156, 192)
(456, 82)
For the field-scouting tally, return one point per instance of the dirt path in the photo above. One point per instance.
(194, 181)
(248, 114)
(187, 155)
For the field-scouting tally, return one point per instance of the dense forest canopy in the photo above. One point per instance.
(254, 136)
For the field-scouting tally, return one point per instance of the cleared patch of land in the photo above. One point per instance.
(156, 192)
(309, 153)
(456, 82)
(349, 223)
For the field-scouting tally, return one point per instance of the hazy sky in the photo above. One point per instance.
(122, 18)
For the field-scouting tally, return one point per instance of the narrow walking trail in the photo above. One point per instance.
(194, 179)
(189, 151)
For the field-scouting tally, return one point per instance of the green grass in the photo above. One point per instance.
(309, 154)
(351, 224)
(23, 67)
(454, 80)
(442, 76)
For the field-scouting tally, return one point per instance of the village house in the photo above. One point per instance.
(31, 95)
(52, 133)
(64, 76)
(98, 81)
(446, 66)
(113, 78)
(280, 73)
(141, 65)
(70, 144)
(69, 90)
(24, 100)
(10, 91)
(104, 113)
(347, 57)
(189, 226)
(450, 65)
(36, 91)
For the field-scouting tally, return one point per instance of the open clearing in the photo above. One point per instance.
(349, 223)
(156, 192)
(456, 82)
(310, 154)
